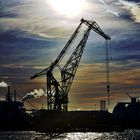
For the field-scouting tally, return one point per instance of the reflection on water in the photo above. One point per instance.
(32, 135)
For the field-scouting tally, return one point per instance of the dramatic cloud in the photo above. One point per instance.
(134, 9)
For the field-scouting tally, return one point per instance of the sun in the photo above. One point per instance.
(68, 8)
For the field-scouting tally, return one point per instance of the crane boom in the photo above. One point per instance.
(67, 46)
(61, 55)
(57, 93)
(69, 70)
(89, 23)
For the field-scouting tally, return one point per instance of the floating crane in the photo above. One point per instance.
(57, 92)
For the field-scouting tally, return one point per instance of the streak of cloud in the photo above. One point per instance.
(108, 8)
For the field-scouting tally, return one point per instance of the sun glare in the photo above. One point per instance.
(68, 7)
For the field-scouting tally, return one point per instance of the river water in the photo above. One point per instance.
(32, 135)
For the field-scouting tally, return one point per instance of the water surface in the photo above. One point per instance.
(32, 135)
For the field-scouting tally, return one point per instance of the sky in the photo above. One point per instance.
(33, 32)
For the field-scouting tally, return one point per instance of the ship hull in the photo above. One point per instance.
(75, 121)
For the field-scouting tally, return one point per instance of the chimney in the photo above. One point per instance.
(8, 96)
(14, 95)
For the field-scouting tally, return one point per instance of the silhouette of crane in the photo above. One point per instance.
(57, 92)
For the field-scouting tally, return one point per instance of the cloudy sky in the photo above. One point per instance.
(33, 32)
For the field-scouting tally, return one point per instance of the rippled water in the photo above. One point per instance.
(17, 135)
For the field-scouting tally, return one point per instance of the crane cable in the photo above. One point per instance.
(108, 50)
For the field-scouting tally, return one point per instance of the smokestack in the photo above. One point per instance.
(8, 97)
(15, 95)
